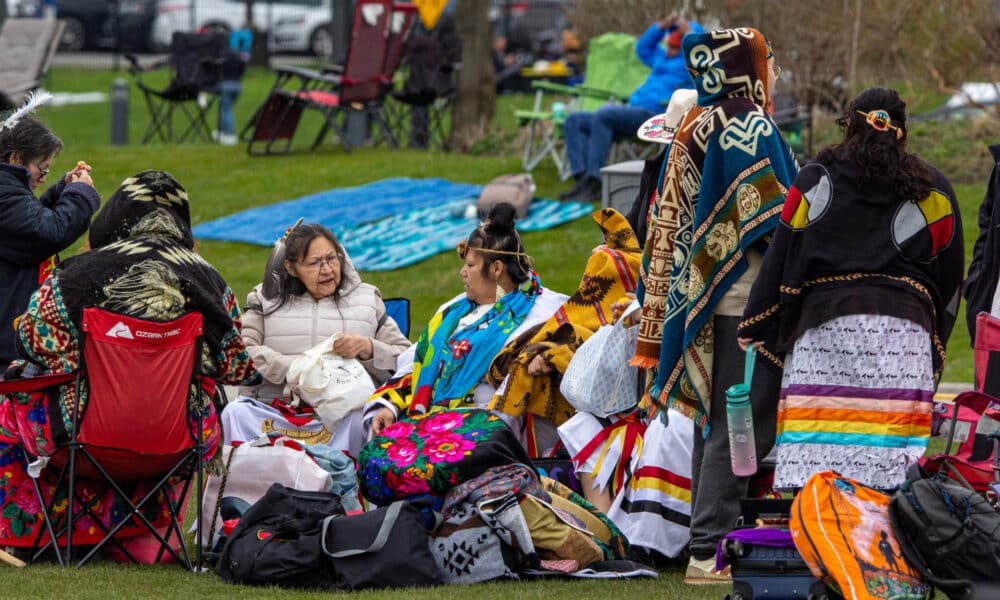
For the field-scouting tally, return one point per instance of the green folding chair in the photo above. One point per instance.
(612, 73)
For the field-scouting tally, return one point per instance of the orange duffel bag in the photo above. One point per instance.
(841, 528)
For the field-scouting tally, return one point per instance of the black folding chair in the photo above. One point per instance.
(433, 60)
(196, 64)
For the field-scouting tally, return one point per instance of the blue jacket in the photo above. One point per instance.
(668, 72)
(32, 231)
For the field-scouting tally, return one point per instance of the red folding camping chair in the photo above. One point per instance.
(975, 420)
(125, 436)
(987, 354)
(358, 88)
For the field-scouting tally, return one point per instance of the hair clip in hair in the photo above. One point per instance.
(770, 50)
(880, 120)
(289, 231)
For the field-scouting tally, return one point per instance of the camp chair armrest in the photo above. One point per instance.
(135, 67)
(37, 383)
(592, 92)
(332, 70)
(306, 74)
(548, 86)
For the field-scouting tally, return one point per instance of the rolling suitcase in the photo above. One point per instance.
(763, 561)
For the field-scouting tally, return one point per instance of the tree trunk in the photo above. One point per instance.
(476, 99)
(852, 74)
(258, 49)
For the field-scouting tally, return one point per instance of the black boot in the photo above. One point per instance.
(589, 191)
(580, 178)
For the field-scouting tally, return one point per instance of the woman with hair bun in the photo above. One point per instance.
(502, 298)
(858, 294)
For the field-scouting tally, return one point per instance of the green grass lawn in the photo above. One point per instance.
(223, 180)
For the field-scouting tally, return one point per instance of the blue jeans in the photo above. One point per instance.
(229, 91)
(589, 135)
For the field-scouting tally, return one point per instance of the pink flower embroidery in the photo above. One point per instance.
(399, 429)
(402, 453)
(408, 484)
(25, 498)
(460, 349)
(446, 447)
(442, 422)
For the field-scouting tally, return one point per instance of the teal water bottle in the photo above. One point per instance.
(739, 416)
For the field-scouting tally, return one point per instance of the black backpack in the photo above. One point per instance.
(279, 541)
(950, 534)
(297, 539)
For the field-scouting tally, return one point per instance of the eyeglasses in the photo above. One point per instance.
(317, 262)
(44, 172)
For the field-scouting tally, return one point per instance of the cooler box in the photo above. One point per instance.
(620, 185)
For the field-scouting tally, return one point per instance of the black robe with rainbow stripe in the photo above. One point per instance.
(846, 245)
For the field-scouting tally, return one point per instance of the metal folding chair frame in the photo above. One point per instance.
(194, 101)
(189, 466)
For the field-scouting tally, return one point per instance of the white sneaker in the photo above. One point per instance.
(228, 139)
(701, 572)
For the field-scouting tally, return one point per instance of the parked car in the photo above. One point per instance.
(311, 31)
(94, 24)
(295, 25)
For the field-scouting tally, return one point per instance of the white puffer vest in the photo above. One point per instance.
(304, 322)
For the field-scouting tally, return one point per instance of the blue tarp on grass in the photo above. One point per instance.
(411, 237)
(384, 225)
(338, 209)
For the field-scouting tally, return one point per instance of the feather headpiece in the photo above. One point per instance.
(274, 273)
(33, 101)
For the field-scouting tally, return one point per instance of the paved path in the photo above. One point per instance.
(107, 60)
(948, 390)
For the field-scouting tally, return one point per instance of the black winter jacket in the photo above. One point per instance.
(32, 230)
(984, 271)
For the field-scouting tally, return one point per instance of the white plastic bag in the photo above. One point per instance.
(252, 470)
(331, 384)
(599, 379)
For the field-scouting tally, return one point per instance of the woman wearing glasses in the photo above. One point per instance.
(310, 292)
(858, 293)
(33, 230)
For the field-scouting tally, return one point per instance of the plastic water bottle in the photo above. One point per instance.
(559, 110)
(739, 416)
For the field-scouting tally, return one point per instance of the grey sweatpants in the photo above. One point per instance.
(715, 491)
